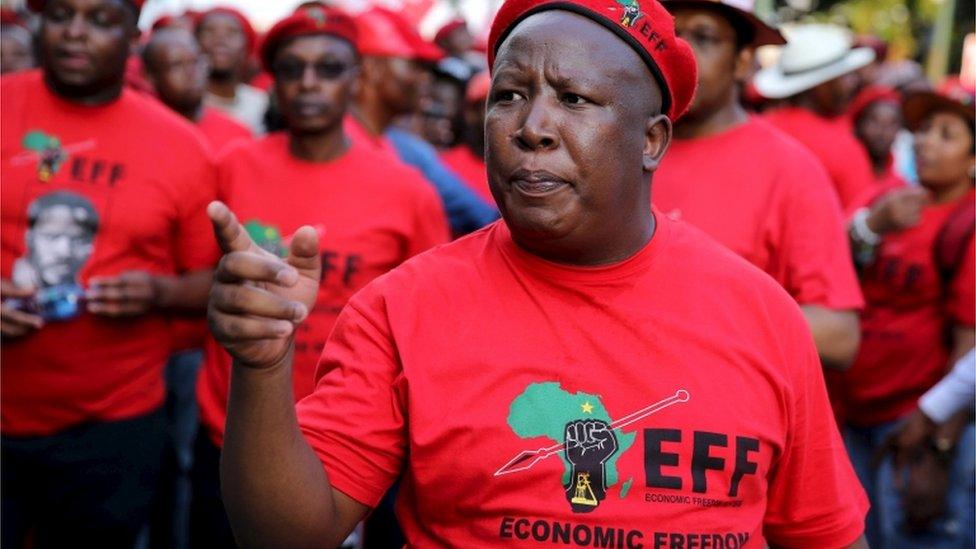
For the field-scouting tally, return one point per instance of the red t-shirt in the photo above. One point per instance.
(220, 129)
(780, 214)
(470, 168)
(833, 143)
(112, 188)
(903, 350)
(461, 359)
(371, 216)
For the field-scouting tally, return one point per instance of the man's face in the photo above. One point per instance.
(458, 41)
(877, 128)
(572, 133)
(831, 97)
(178, 71)
(401, 82)
(59, 245)
(16, 53)
(84, 44)
(315, 78)
(440, 110)
(720, 65)
(223, 42)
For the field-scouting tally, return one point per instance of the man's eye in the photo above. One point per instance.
(506, 95)
(58, 14)
(573, 99)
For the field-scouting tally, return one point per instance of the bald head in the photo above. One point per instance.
(161, 40)
(177, 70)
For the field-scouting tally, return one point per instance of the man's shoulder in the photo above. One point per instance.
(160, 125)
(21, 81)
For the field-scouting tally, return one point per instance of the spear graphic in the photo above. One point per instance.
(528, 458)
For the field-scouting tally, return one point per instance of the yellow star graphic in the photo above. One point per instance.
(587, 407)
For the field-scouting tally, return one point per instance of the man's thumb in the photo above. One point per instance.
(304, 252)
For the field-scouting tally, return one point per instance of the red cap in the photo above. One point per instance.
(953, 96)
(38, 5)
(307, 21)
(246, 28)
(448, 28)
(643, 24)
(385, 33)
(163, 22)
(10, 17)
(869, 96)
(478, 87)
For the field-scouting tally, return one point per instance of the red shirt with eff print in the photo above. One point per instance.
(910, 307)
(780, 213)
(674, 399)
(370, 216)
(93, 191)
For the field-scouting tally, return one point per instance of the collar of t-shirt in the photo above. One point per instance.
(559, 272)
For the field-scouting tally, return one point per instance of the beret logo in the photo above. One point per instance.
(317, 14)
(631, 13)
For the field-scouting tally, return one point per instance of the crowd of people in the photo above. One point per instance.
(338, 284)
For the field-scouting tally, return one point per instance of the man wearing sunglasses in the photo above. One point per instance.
(370, 214)
(779, 213)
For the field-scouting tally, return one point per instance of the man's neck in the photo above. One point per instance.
(318, 147)
(951, 193)
(372, 113)
(193, 114)
(225, 86)
(722, 120)
(91, 98)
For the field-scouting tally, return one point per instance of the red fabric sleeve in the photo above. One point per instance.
(815, 499)
(354, 419)
(196, 246)
(962, 294)
(819, 269)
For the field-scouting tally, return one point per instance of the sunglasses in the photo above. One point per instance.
(324, 70)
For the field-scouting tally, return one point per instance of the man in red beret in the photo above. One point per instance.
(467, 159)
(371, 216)
(781, 213)
(16, 43)
(104, 238)
(227, 39)
(586, 372)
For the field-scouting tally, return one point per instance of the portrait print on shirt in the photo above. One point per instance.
(60, 237)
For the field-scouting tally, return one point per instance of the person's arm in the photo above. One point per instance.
(275, 489)
(137, 292)
(956, 391)
(837, 335)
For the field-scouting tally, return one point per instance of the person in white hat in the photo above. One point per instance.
(780, 213)
(809, 75)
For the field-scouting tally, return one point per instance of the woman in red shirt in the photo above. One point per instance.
(918, 283)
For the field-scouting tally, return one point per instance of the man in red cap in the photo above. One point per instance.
(467, 159)
(16, 43)
(585, 373)
(780, 213)
(392, 83)
(178, 72)
(454, 38)
(104, 238)
(371, 215)
(227, 39)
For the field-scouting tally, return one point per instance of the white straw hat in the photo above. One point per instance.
(813, 54)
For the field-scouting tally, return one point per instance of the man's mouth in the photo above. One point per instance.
(73, 59)
(537, 183)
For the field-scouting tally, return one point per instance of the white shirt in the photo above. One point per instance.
(956, 391)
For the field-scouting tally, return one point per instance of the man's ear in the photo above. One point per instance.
(744, 67)
(657, 137)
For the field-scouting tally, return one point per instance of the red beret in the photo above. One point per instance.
(953, 97)
(307, 21)
(643, 24)
(10, 17)
(242, 20)
(38, 5)
(478, 87)
(385, 33)
(448, 28)
(869, 96)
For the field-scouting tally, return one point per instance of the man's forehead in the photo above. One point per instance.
(557, 31)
